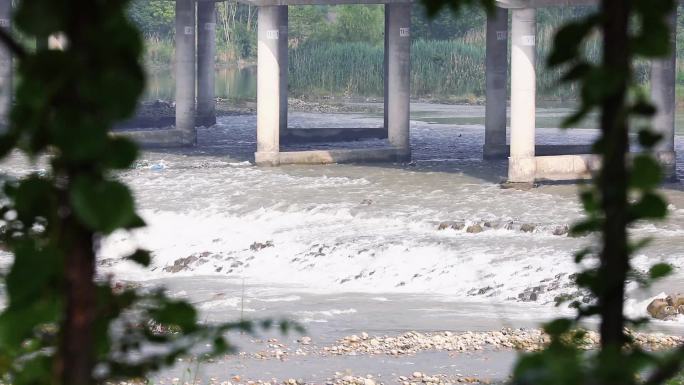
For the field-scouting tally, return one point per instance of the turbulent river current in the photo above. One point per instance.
(345, 247)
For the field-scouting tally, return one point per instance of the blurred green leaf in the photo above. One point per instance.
(102, 205)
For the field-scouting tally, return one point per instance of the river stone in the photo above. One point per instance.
(561, 230)
(655, 305)
(528, 296)
(661, 309)
(181, 264)
(527, 228)
(667, 313)
(451, 225)
(305, 340)
(675, 300)
(474, 229)
(256, 246)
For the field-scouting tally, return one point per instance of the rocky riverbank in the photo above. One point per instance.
(411, 343)
(161, 113)
(393, 348)
(339, 378)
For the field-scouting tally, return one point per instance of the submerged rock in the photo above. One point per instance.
(675, 300)
(527, 227)
(181, 264)
(528, 296)
(474, 229)
(561, 230)
(256, 246)
(451, 225)
(666, 308)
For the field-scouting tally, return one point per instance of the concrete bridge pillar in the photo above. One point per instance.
(663, 81)
(271, 88)
(283, 64)
(496, 81)
(185, 70)
(206, 67)
(521, 163)
(398, 75)
(5, 66)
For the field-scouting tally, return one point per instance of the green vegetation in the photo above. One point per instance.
(677, 380)
(337, 68)
(339, 50)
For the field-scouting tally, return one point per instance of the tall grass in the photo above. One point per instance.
(439, 69)
(443, 68)
(337, 68)
(159, 51)
(446, 69)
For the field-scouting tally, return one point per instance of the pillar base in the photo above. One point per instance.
(495, 151)
(403, 155)
(188, 138)
(267, 158)
(518, 185)
(521, 170)
(668, 161)
(205, 121)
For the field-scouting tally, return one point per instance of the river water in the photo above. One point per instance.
(372, 228)
(350, 248)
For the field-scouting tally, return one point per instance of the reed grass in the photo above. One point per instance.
(443, 70)
(439, 69)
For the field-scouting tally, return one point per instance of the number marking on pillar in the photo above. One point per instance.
(5, 23)
(404, 32)
(272, 34)
(501, 35)
(527, 40)
(189, 30)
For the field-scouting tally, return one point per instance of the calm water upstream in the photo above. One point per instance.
(239, 84)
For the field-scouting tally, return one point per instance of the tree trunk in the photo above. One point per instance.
(613, 179)
(75, 359)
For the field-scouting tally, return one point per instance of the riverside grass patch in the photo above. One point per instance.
(439, 69)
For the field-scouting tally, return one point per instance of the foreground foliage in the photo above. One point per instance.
(63, 324)
(623, 192)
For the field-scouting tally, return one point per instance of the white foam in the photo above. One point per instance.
(288, 298)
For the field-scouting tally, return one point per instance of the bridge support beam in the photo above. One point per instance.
(6, 68)
(271, 98)
(663, 81)
(206, 67)
(185, 70)
(283, 62)
(521, 163)
(398, 67)
(496, 69)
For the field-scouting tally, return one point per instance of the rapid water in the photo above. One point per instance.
(372, 228)
(367, 231)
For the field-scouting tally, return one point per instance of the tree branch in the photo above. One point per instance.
(8, 41)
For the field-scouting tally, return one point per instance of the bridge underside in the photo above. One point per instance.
(528, 162)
